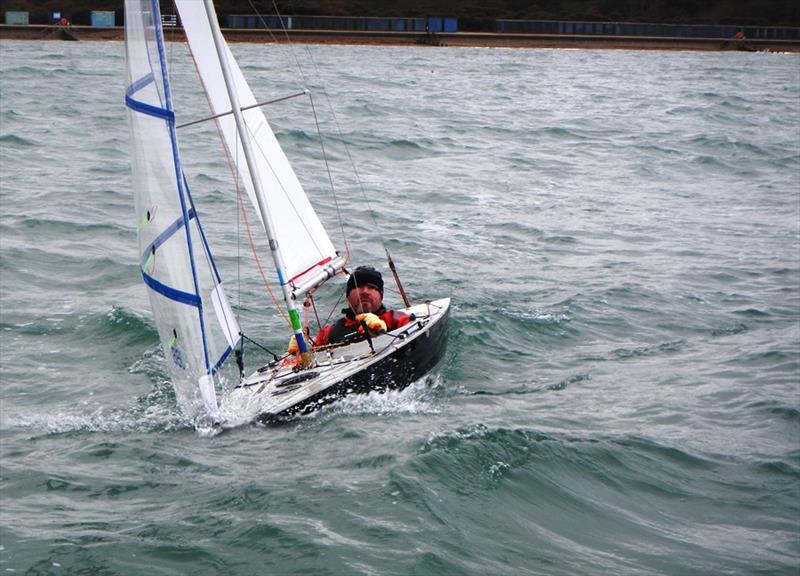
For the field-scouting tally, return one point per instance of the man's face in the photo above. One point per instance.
(364, 299)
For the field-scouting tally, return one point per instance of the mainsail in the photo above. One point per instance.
(195, 322)
(306, 249)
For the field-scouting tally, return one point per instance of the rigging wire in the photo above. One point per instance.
(233, 163)
(360, 184)
(279, 181)
(305, 84)
(304, 87)
(340, 135)
(330, 178)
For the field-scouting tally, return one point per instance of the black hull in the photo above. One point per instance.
(395, 372)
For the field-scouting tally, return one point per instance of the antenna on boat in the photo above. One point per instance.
(241, 128)
(397, 278)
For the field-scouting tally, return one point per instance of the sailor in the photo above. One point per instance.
(364, 293)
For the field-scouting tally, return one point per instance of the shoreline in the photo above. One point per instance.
(457, 39)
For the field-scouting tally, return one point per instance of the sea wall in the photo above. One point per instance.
(487, 39)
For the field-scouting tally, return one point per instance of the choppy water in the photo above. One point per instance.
(620, 233)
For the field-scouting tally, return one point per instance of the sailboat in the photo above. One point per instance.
(198, 328)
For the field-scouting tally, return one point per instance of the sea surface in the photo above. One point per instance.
(619, 232)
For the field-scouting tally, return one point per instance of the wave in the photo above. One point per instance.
(469, 450)
(14, 141)
(567, 477)
(33, 268)
(776, 409)
(563, 133)
(752, 313)
(154, 411)
(726, 144)
(648, 350)
(153, 418)
(480, 343)
(575, 497)
(532, 388)
(117, 329)
(729, 330)
(296, 135)
(47, 227)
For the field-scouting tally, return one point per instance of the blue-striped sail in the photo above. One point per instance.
(195, 323)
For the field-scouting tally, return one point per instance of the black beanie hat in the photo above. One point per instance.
(362, 276)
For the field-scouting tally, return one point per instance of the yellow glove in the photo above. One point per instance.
(293, 348)
(375, 324)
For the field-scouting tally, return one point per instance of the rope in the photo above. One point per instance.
(264, 348)
(330, 177)
(232, 167)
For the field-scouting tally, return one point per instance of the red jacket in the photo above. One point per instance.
(347, 326)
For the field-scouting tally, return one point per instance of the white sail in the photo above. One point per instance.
(197, 327)
(303, 242)
(194, 320)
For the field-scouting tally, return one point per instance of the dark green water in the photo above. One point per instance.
(619, 232)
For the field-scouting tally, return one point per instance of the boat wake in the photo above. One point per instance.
(424, 396)
(154, 419)
(156, 411)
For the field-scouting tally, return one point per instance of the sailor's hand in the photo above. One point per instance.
(293, 347)
(373, 323)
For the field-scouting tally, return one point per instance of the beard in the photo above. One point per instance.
(364, 305)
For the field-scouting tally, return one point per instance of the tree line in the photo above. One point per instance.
(473, 15)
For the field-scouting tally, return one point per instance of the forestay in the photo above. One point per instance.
(195, 323)
(305, 246)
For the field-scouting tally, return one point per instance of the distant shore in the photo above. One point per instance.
(463, 39)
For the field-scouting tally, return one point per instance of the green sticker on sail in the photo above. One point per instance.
(146, 218)
(147, 263)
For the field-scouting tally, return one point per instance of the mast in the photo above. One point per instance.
(241, 128)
